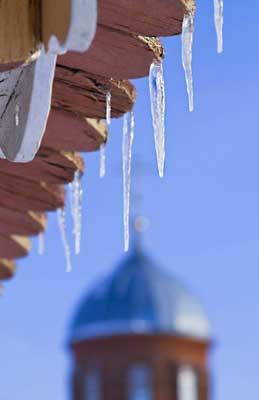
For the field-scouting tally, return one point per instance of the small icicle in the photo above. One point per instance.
(187, 41)
(102, 161)
(218, 19)
(61, 215)
(41, 243)
(76, 194)
(17, 116)
(157, 99)
(108, 107)
(127, 141)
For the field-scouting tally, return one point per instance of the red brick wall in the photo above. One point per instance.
(162, 353)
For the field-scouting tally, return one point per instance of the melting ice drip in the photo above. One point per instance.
(102, 161)
(127, 141)
(157, 99)
(76, 195)
(102, 147)
(187, 41)
(61, 215)
(218, 18)
(41, 243)
(108, 107)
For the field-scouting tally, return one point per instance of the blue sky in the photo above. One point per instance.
(204, 220)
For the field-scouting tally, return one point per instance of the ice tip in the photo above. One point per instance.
(191, 105)
(126, 247)
(161, 172)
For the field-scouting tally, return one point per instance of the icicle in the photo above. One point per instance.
(61, 214)
(41, 243)
(127, 141)
(218, 18)
(157, 99)
(102, 161)
(187, 40)
(17, 112)
(76, 194)
(108, 107)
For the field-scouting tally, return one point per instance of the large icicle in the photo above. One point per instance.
(102, 147)
(76, 194)
(108, 107)
(187, 41)
(218, 18)
(157, 99)
(102, 161)
(127, 141)
(61, 215)
(41, 243)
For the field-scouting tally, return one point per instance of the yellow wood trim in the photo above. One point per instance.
(19, 30)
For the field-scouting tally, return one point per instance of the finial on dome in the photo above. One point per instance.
(140, 224)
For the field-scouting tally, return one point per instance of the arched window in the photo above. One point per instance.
(187, 384)
(92, 388)
(140, 383)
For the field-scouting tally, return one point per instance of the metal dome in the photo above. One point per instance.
(138, 297)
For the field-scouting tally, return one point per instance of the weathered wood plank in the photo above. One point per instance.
(13, 222)
(84, 94)
(23, 195)
(19, 32)
(14, 246)
(60, 166)
(7, 269)
(50, 166)
(145, 17)
(66, 131)
(116, 54)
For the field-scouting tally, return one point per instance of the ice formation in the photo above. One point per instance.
(187, 41)
(127, 141)
(76, 194)
(108, 107)
(157, 99)
(218, 18)
(41, 243)
(102, 161)
(61, 215)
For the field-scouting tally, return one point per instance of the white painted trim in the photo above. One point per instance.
(20, 136)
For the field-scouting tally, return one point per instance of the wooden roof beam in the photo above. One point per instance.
(84, 94)
(145, 17)
(13, 222)
(14, 246)
(7, 269)
(116, 54)
(49, 166)
(67, 131)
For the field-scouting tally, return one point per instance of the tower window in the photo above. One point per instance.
(92, 390)
(140, 383)
(187, 384)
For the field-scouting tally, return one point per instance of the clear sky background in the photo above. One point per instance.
(204, 220)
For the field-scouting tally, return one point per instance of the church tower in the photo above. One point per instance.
(140, 335)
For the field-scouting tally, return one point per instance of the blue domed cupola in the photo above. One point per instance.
(139, 297)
